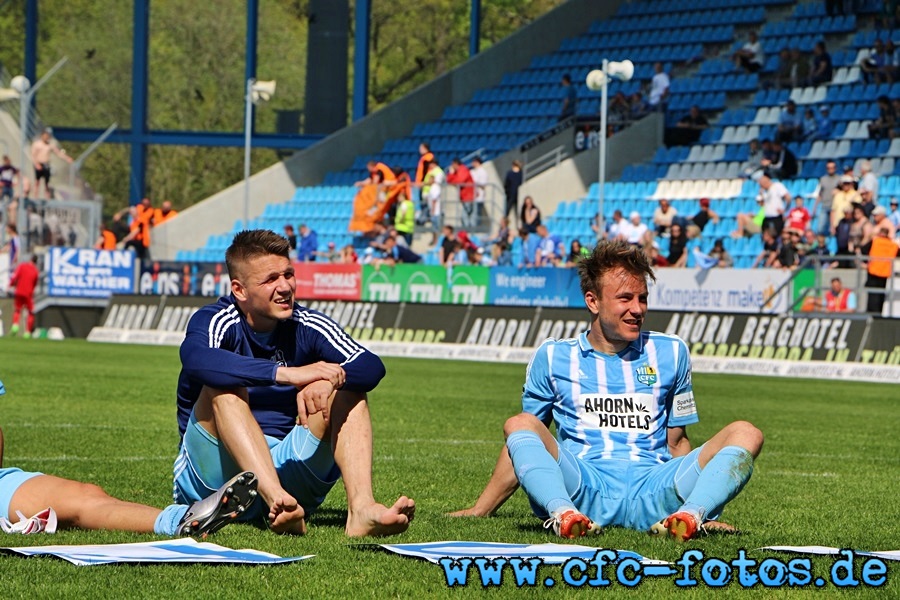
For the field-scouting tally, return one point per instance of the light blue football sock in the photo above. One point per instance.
(538, 472)
(721, 479)
(168, 520)
(2, 389)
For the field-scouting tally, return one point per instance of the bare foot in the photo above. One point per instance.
(379, 520)
(286, 516)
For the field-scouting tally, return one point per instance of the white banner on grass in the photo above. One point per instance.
(548, 553)
(181, 550)
(720, 290)
(826, 551)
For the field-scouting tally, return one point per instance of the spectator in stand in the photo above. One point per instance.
(348, 255)
(8, 175)
(659, 88)
(828, 185)
(164, 213)
(662, 217)
(546, 254)
(501, 243)
(786, 257)
(332, 255)
(529, 248)
(531, 215)
(867, 187)
(24, 278)
(783, 165)
(138, 238)
(822, 69)
(880, 268)
(824, 126)
(843, 200)
(839, 299)
(634, 231)
(639, 107)
(893, 61)
(405, 219)
(570, 98)
(798, 217)
(750, 57)
(769, 252)
(41, 149)
(511, 184)
(576, 253)
(12, 246)
(613, 226)
(448, 240)
(817, 245)
(691, 126)
(842, 238)
(480, 181)
(722, 255)
(790, 123)
(653, 255)
(750, 223)
(291, 236)
(618, 112)
(698, 222)
(394, 253)
(677, 247)
(873, 65)
(307, 244)
(810, 125)
(861, 232)
(894, 216)
(106, 240)
(881, 221)
(784, 72)
(426, 156)
(458, 174)
(387, 174)
(754, 158)
(434, 181)
(883, 126)
(776, 199)
(801, 67)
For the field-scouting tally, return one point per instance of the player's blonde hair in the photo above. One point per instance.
(250, 244)
(608, 256)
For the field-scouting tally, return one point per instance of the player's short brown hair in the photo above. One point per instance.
(608, 256)
(250, 244)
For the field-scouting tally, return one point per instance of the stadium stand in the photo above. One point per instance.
(696, 41)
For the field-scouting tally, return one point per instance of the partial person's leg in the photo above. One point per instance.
(226, 416)
(725, 465)
(535, 457)
(83, 505)
(350, 431)
(29, 322)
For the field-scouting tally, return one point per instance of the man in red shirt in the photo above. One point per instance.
(459, 175)
(798, 217)
(24, 279)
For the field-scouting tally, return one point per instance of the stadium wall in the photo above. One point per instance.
(277, 183)
(825, 346)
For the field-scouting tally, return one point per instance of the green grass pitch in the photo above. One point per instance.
(105, 414)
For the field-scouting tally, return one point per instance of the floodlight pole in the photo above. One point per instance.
(248, 124)
(604, 93)
(78, 162)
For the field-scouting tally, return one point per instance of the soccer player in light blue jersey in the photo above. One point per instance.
(621, 400)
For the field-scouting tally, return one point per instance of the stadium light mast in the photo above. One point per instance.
(257, 91)
(598, 80)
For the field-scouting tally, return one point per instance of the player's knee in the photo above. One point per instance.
(521, 422)
(748, 435)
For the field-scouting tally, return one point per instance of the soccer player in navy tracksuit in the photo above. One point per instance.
(253, 364)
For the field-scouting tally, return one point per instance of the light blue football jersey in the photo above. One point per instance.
(612, 406)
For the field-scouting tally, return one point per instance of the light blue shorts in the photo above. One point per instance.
(626, 493)
(305, 467)
(10, 481)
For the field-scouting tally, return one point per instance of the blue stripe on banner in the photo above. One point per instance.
(183, 550)
(549, 553)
